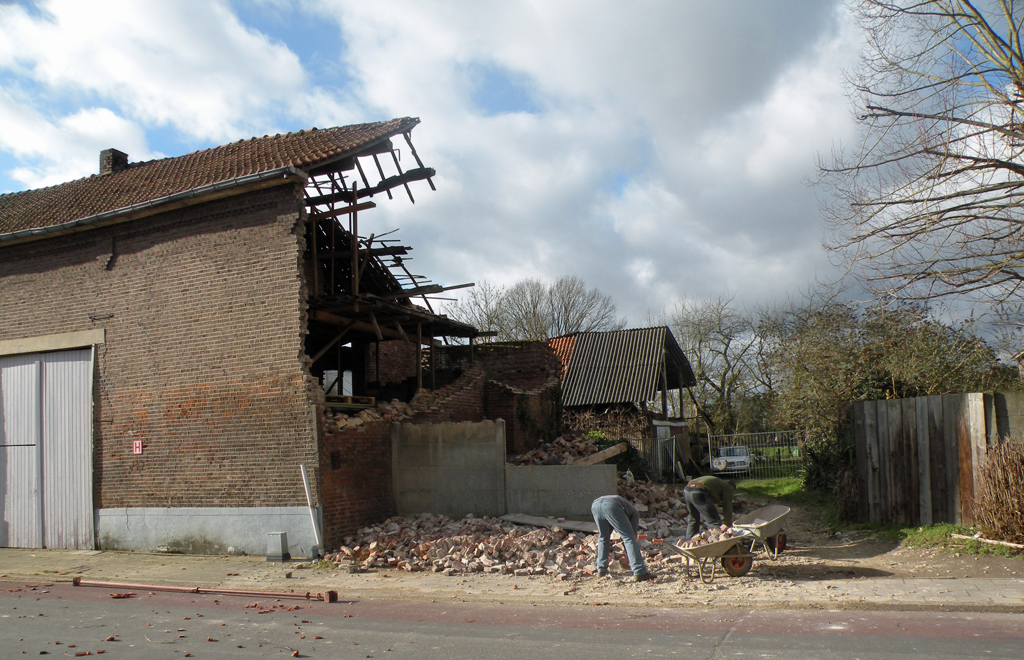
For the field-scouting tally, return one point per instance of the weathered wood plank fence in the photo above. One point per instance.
(919, 460)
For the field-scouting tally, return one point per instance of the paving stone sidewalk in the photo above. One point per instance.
(254, 573)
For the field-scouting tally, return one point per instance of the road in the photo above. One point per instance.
(58, 619)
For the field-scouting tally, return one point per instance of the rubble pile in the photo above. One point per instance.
(564, 450)
(709, 536)
(431, 542)
(424, 401)
(662, 510)
(436, 543)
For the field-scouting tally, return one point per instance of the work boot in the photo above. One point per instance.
(644, 577)
(602, 573)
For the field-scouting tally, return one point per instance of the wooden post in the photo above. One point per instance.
(433, 380)
(355, 241)
(419, 356)
(664, 383)
(924, 479)
(316, 262)
(871, 457)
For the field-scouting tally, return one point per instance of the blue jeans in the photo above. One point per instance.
(609, 515)
(702, 511)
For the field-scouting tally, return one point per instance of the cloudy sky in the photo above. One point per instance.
(659, 150)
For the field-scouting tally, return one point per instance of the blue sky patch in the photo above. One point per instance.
(314, 39)
(498, 90)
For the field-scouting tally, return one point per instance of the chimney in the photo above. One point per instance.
(113, 161)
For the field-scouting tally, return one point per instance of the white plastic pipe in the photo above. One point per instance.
(312, 511)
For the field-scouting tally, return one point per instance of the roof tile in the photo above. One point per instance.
(145, 181)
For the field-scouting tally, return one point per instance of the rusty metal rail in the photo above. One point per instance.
(327, 596)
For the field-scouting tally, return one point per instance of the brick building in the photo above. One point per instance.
(166, 328)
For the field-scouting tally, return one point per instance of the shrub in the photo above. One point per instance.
(999, 503)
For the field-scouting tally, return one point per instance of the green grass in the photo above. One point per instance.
(939, 536)
(790, 490)
(323, 565)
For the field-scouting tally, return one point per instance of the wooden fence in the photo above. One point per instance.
(919, 460)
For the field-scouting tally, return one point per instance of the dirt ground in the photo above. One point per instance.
(806, 571)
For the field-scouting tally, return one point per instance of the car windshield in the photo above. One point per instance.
(733, 451)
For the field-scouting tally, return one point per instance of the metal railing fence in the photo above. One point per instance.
(755, 455)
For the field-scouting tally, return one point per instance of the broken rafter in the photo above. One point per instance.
(375, 252)
(422, 290)
(380, 170)
(362, 326)
(408, 140)
(403, 179)
(334, 341)
(364, 206)
(398, 167)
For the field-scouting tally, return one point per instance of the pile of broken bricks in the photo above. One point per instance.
(564, 450)
(431, 542)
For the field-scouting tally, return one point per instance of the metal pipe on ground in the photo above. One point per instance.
(327, 596)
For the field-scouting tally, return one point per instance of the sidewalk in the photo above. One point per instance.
(673, 589)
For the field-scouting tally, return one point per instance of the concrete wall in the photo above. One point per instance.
(200, 530)
(557, 490)
(451, 469)
(455, 469)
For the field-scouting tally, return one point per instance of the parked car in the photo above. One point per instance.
(732, 460)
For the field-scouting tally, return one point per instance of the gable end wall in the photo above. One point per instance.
(204, 312)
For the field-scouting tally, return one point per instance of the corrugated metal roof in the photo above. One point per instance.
(623, 366)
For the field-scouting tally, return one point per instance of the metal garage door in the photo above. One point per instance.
(46, 450)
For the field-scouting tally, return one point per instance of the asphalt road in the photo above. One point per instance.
(58, 619)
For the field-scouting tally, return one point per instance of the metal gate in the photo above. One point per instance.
(46, 450)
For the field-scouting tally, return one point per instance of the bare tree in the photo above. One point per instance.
(481, 308)
(723, 347)
(532, 310)
(527, 310)
(929, 202)
(575, 308)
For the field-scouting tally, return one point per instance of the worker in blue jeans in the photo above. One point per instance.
(701, 495)
(615, 512)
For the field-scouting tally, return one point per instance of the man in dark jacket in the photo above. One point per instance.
(615, 512)
(701, 495)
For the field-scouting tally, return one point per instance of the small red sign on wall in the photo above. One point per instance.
(136, 446)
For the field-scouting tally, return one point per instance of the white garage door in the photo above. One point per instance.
(46, 450)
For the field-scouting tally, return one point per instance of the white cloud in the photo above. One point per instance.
(664, 157)
(190, 64)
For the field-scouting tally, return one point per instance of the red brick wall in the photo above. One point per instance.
(531, 418)
(397, 362)
(462, 401)
(356, 489)
(204, 311)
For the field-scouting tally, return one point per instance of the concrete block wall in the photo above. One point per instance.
(451, 469)
(557, 490)
(204, 312)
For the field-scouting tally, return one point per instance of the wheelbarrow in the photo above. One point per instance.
(764, 526)
(735, 560)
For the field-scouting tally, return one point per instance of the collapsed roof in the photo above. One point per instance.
(360, 285)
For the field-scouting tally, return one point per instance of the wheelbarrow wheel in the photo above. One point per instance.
(776, 543)
(736, 563)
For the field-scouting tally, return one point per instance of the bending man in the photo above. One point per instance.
(701, 495)
(615, 512)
